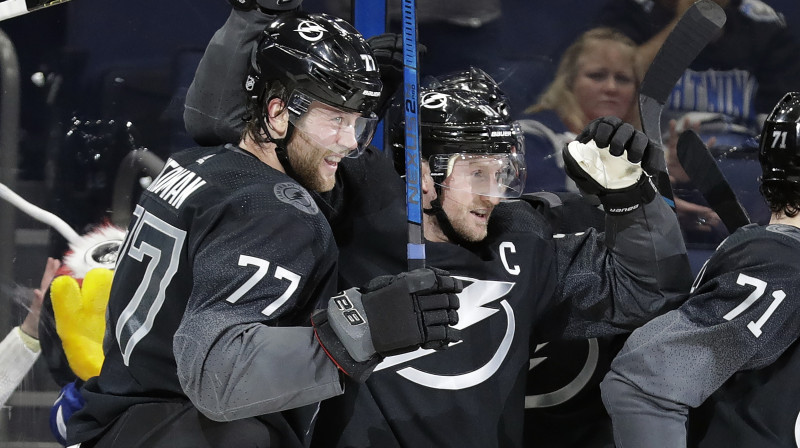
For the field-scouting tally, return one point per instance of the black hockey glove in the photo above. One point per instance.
(610, 159)
(267, 6)
(390, 315)
(388, 51)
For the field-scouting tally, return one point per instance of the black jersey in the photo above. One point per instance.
(224, 261)
(517, 279)
(731, 349)
(563, 408)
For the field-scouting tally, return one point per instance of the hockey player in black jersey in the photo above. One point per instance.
(520, 281)
(519, 277)
(728, 359)
(209, 340)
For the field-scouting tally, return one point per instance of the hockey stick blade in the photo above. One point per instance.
(706, 176)
(14, 8)
(695, 29)
(416, 246)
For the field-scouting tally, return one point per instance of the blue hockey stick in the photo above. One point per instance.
(416, 247)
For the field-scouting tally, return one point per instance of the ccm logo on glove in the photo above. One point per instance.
(350, 314)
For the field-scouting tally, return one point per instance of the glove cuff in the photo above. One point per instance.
(627, 200)
(348, 319)
(336, 351)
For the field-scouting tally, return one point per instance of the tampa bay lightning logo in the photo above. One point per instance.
(472, 310)
(296, 196)
(433, 100)
(310, 31)
(571, 384)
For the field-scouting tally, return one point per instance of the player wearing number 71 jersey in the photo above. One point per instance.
(728, 359)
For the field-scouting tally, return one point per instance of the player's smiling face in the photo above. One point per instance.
(467, 211)
(322, 137)
(314, 166)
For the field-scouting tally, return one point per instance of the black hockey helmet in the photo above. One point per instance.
(479, 82)
(457, 128)
(317, 57)
(779, 148)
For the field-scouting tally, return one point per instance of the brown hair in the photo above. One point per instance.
(257, 114)
(558, 95)
(781, 197)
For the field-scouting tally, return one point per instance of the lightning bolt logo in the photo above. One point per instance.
(536, 361)
(310, 31)
(434, 100)
(472, 310)
(570, 390)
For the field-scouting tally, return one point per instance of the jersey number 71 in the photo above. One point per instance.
(758, 292)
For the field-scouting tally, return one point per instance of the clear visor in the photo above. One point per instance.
(343, 132)
(494, 175)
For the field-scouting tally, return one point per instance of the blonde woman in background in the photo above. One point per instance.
(596, 77)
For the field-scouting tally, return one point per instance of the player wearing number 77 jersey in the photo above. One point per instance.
(728, 358)
(209, 339)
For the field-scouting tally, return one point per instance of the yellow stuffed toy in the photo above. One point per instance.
(79, 297)
(80, 318)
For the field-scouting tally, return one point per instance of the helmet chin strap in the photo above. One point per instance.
(444, 222)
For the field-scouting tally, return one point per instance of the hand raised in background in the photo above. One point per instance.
(31, 323)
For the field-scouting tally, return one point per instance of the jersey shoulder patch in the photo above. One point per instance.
(298, 197)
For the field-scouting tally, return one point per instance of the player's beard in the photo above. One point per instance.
(306, 159)
(464, 222)
(466, 230)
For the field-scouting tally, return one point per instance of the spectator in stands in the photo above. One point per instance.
(595, 77)
(741, 74)
(725, 93)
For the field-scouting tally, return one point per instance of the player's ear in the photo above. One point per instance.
(427, 179)
(428, 191)
(278, 117)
